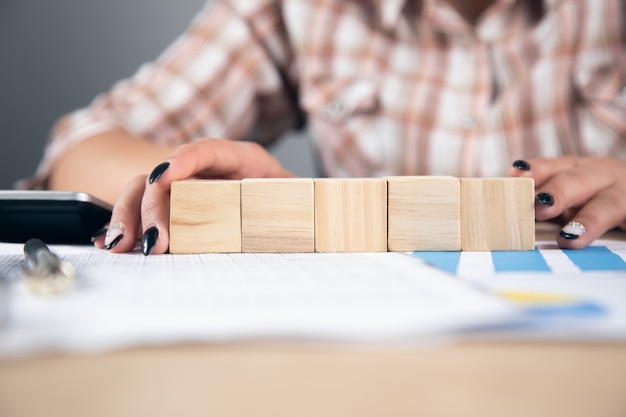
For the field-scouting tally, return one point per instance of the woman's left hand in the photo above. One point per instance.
(586, 194)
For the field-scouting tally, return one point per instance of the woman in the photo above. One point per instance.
(467, 88)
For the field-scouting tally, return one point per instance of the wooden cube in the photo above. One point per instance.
(277, 215)
(497, 214)
(205, 216)
(350, 215)
(424, 214)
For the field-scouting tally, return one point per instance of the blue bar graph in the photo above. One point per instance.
(592, 258)
(519, 261)
(448, 261)
(596, 258)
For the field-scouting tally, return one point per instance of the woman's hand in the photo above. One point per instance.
(586, 194)
(143, 207)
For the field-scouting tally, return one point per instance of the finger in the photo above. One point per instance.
(121, 235)
(567, 189)
(519, 168)
(207, 158)
(155, 213)
(217, 158)
(204, 158)
(605, 211)
(542, 169)
(98, 237)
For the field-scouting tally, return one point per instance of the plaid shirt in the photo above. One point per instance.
(393, 87)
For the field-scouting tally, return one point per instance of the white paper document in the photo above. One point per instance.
(127, 300)
(566, 294)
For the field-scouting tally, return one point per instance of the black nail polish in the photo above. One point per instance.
(158, 171)
(98, 233)
(521, 165)
(568, 236)
(113, 243)
(149, 240)
(545, 198)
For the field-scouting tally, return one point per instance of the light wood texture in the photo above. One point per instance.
(277, 215)
(350, 215)
(497, 214)
(232, 380)
(423, 214)
(205, 216)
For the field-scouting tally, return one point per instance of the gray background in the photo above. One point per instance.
(56, 56)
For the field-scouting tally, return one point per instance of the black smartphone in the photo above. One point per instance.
(56, 217)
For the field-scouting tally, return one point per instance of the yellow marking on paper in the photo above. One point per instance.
(535, 298)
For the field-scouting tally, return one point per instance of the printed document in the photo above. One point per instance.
(123, 300)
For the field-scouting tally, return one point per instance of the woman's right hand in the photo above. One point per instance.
(143, 207)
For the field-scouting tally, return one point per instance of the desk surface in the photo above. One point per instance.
(471, 379)
(479, 378)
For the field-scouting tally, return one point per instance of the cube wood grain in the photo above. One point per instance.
(350, 215)
(424, 213)
(497, 214)
(277, 215)
(205, 216)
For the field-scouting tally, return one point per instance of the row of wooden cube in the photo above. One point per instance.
(398, 214)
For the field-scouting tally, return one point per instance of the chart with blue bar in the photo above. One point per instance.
(587, 287)
(546, 258)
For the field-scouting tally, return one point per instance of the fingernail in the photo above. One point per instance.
(97, 234)
(158, 171)
(149, 240)
(545, 198)
(113, 235)
(521, 165)
(572, 231)
(113, 243)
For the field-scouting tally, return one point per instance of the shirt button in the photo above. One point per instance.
(584, 76)
(336, 110)
(470, 122)
(467, 40)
